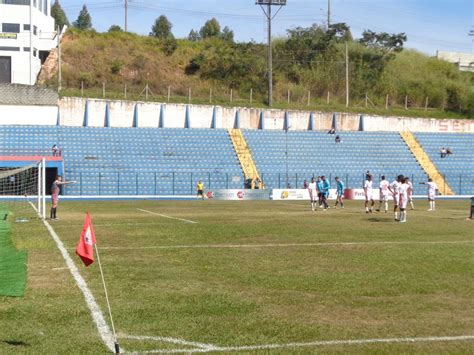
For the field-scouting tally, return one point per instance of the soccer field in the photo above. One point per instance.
(269, 276)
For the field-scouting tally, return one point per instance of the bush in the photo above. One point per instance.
(116, 67)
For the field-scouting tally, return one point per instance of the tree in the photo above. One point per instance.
(162, 28)
(339, 32)
(211, 28)
(194, 36)
(60, 18)
(227, 34)
(169, 45)
(115, 28)
(84, 21)
(384, 41)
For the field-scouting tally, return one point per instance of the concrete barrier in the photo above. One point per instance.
(121, 114)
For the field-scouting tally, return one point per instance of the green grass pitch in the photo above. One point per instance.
(249, 273)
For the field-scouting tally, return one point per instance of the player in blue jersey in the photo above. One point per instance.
(319, 186)
(326, 186)
(339, 192)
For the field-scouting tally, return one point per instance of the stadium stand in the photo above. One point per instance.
(143, 161)
(458, 168)
(316, 153)
(167, 161)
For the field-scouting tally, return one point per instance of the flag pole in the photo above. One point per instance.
(117, 346)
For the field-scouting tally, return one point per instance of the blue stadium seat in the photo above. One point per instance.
(308, 153)
(457, 168)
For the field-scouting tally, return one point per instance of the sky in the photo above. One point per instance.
(430, 25)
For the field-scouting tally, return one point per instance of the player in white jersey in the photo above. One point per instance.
(368, 194)
(410, 194)
(432, 189)
(383, 194)
(394, 188)
(313, 193)
(404, 192)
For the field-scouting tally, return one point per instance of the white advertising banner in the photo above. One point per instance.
(238, 195)
(297, 194)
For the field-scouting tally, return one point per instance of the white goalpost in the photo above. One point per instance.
(22, 188)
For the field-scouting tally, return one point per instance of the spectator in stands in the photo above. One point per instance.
(443, 152)
(56, 151)
(332, 131)
(337, 139)
(449, 151)
(305, 184)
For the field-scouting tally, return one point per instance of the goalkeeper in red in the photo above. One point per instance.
(55, 190)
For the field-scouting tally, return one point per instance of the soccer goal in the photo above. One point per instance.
(23, 191)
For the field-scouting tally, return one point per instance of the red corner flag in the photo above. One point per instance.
(85, 247)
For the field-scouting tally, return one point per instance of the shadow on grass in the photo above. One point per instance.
(378, 220)
(14, 342)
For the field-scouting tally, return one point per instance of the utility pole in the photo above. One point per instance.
(270, 17)
(270, 57)
(347, 75)
(329, 13)
(60, 79)
(126, 15)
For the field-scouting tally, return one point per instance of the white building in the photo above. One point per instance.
(464, 61)
(27, 35)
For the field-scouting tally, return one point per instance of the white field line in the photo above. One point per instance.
(313, 344)
(286, 245)
(97, 316)
(165, 216)
(172, 341)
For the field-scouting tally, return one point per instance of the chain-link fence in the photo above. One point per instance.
(184, 183)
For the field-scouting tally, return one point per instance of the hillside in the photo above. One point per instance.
(228, 73)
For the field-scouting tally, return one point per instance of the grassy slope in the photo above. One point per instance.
(91, 58)
(256, 295)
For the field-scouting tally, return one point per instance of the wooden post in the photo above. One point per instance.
(366, 99)
(288, 95)
(169, 93)
(386, 102)
(231, 93)
(426, 103)
(309, 97)
(328, 99)
(251, 95)
(189, 95)
(210, 95)
(103, 90)
(125, 90)
(146, 92)
(406, 102)
(82, 87)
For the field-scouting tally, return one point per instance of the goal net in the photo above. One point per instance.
(22, 192)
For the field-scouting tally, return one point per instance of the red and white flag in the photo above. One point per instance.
(85, 247)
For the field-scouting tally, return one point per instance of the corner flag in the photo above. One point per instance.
(85, 247)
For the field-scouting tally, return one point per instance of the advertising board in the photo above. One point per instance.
(238, 194)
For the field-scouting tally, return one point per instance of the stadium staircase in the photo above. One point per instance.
(426, 163)
(244, 154)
